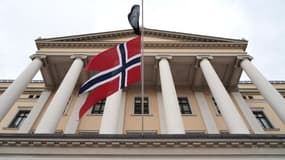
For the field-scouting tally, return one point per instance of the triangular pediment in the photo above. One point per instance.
(150, 35)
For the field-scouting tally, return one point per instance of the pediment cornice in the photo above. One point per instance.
(109, 39)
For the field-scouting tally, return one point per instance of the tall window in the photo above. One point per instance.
(19, 118)
(216, 106)
(98, 108)
(184, 105)
(263, 120)
(138, 107)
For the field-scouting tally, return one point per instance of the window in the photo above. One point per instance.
(19, 119)
(216, 106)
(263, 120)
(34, 96)
(98, 108)
(66, 106)
(138, 107)
(248, 97)
(184, 105)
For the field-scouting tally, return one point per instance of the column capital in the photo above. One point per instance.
(81, 56)
(204, 57)
(240, 58)
(41, 57)
(163, 57)
(200, 58)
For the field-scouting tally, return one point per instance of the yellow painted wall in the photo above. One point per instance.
(23, 103)
(36, 123)
(194, 122)
(11, 114)
(279, 127)
(133, 122)
(219, 120)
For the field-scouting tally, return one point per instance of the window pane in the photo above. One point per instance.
(146, 111)
(186, 108)
(137, 109)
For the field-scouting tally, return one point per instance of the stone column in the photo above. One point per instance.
(174, 122)
(206, 114)
(231, 115)
(73, 120)
(56, 107)
(162, 123)
(246, 111)
(13, 92)
(271, 95)
(111, 119)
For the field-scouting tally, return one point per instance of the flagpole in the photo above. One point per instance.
(142, 70)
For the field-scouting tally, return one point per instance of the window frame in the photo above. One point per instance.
(16, 116)
(217, 109)
(248, 97)
(101, 108)
(134, 105)
(262, 120)
(189, 105)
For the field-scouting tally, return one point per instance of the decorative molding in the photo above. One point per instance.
(148, 141)
(149, 32)
(147, 45)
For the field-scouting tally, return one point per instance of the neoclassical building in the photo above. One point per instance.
(194, 105)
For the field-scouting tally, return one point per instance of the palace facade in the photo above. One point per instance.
(194, 105)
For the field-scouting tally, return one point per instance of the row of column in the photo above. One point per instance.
(233, 119)
(173, 121)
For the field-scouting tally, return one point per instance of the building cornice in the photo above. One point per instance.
(148, 45)
(271, 81)
(146, 141)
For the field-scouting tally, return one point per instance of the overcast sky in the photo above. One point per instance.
(261, 22)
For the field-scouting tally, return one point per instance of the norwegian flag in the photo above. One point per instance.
(120, 66)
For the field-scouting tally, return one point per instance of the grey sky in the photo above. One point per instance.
(261, 22)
